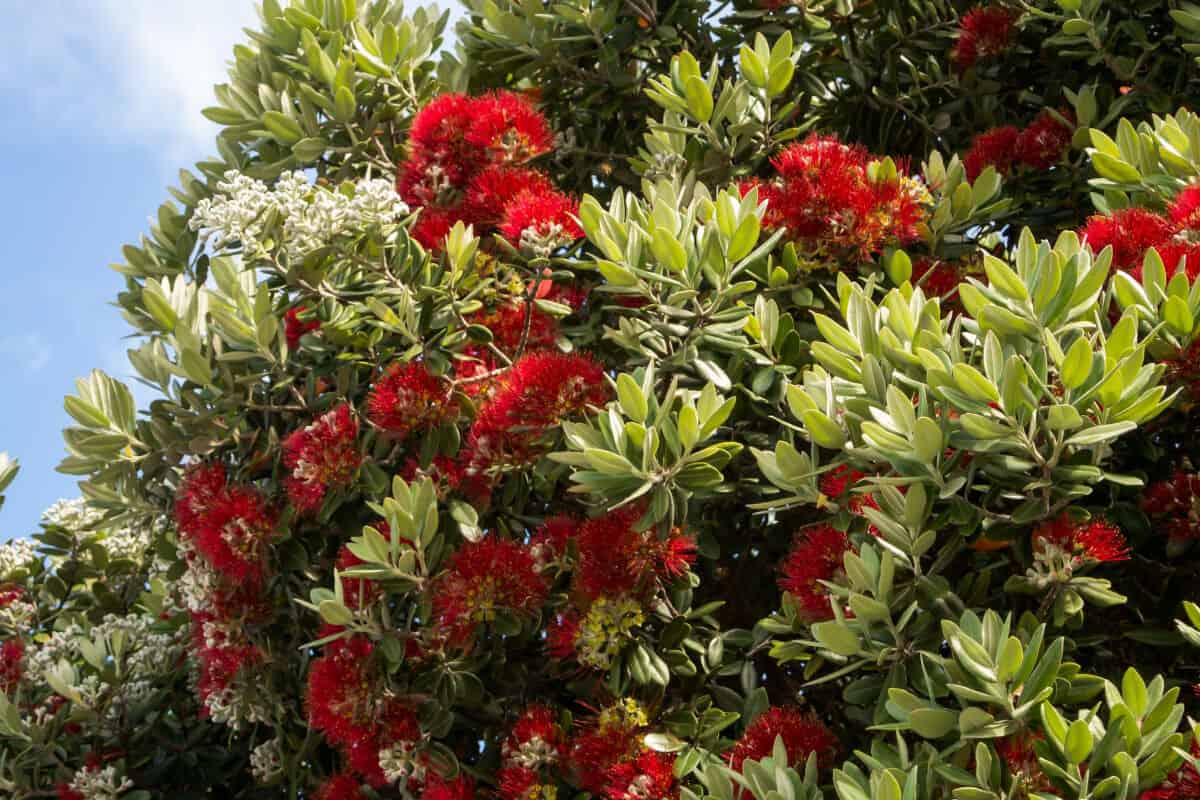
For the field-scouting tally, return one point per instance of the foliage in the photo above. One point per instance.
(653, 401)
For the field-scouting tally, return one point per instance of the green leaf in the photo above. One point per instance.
(932, 723)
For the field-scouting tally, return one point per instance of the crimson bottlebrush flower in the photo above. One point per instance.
(519, 783)
(1182, 784)
(295, 327)
(508, 327)
(613, 738)
(1044, 141)
(439, 788)
(438, 140)
(1185, 209)
(508, 126)
(481, 579)
(826, 199)
(1130, 232)
(535, 395)
(817, 555)
(12, 660)
(838, 483)
(992, 148)
(347, 704)
(535, 741)
(444, 471)
(561, 635)
(983, 32)
(802, 735)
(342, 786)
(495, 187)
(615, 559)
(223, 653)
(229, 526)
(1093, 541)
(541, 223)
(936, 278)
(650, 776)
(321, 456)
(1177, 501)
(1017, 752)
(10, 594)
(409, 398)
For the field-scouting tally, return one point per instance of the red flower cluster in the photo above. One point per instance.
(816, 555)
(511, 333)
(937, 278)
(827, 199)
(535, 744)
(612, 740)
(1182, 784)
(227, 525)
(983, 32)
(466, 163)
(347, 702)
(1177, 501)
(321, 456)
(802, 735)
(616, 559)
(533, 397)
(438, 788)
(650, 776)
(481, 579)
(1132, 231)
(1084, 542)
(295, 327)
(408, 399)
(224, 653)
(12, 660)
(1039, 146)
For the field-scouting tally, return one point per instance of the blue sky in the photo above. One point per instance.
(99, 108)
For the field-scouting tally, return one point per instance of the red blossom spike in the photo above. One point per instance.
(1176, 502)
(408, 399)
(12, 665)
(615, 559)
(1044, 142)
(816, 556)
(295, 327)
(802, 736)
(508, 126)
(993, 148)
(1130, 232)
(496, 187)
(1185, 209)
(984, 32)
(1093, 541)
(438, 788)
(1017, 752)
(229, 526)
(342, 786)
(481, 579)
(541, 222)
(650, 776)
(321, 456)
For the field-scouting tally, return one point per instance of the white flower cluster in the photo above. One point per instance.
(74, 515)
(15, 554)
(399, 762)
(100, 784)
(266, 761)
(244, 210)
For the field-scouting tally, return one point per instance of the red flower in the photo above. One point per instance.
(817, 555)
(1045, 140)
(828, 202)
(1178, 499)
(509, 127)
(408, 398)
(223, 652)
(496, 187)
(65, 792)
(561, 634)
(295, 327)
(518, 783)
(650, 776)
(993, 148)
(550, 540)
(432, 227)
(801, 734)
(440, 151)
(12, 658)
(10, 594)
(542, 222)
(481, 579)
(536, 740)
(229, 526)
(321, 456)
(347, 704)
(342, 786)
(1185, 210)
(613, 740)
(1130, 232)
(1093, 541)
(615, 559)
(438, 788)
(936, 278)
(536, 394)
(444, 471)
(1182, 784)
(984, 31)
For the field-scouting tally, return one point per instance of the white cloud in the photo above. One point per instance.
(30, 351)
(125, 69)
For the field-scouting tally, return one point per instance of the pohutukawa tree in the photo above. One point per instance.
(645, 401)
